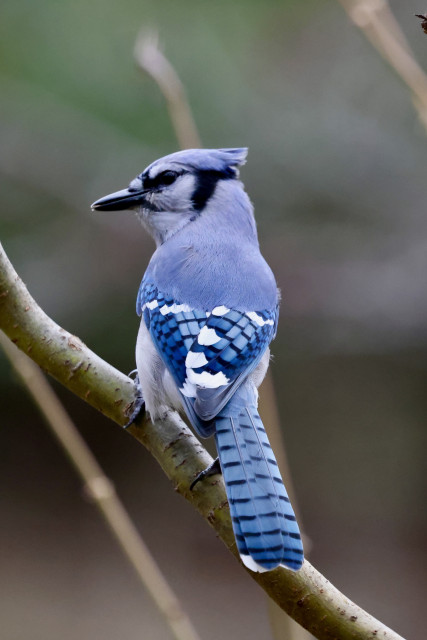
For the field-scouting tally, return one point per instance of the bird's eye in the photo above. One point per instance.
(163, 179)
(166, 178)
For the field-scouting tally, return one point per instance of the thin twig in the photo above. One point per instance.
(375, 19)
(102, 492)
(151, 60)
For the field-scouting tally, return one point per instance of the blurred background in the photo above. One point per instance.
(337, 173)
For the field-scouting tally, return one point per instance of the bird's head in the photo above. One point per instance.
(174, 190)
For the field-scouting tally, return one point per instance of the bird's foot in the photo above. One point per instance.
(138, 404)
(212, 470)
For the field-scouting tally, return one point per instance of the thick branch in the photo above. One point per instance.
(102, 493)
(307, 596)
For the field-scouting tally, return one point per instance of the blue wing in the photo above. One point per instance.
(208, 353)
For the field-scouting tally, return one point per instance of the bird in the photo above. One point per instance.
(209, 308)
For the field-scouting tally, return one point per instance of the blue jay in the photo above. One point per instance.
(209, 307)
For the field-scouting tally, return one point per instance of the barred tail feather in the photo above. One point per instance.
(264, 523)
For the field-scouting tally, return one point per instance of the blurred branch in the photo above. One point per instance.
(151, 60)
(102, 492)
(375, 19)
(306, 595)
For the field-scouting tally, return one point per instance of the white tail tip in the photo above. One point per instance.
(250, 563)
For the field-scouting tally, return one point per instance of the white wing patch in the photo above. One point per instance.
(207, 380)
(195, 360)
(174, 308)
(258, 319)
(207, 337)
(152, 305)
(188, 390)
(220, 311)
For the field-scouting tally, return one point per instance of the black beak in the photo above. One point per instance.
(119, 201)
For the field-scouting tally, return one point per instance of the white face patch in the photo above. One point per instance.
(207, 337)
(136, 184)
(206, 379)
(174, 308)
(170, 207)
(258, 319)
(176, 198)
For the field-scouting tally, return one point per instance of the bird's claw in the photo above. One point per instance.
(212, 470)
(139, 402)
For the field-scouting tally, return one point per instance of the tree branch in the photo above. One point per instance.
(376, 20)
(306, 595)
(151, 60)
(102, 493)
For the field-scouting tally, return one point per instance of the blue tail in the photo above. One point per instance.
(264, 522)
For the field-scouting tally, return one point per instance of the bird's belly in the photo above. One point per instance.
(158, 388)
(173, 396)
